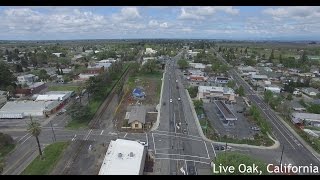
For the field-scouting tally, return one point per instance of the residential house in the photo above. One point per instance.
(247, 70)
(259, 77)
(27, 79)
(196, 72)
(296, 106)
(31, 89)
(306, 119)
(274, 89)
(209, 93)
(137, 117)
(310, 91)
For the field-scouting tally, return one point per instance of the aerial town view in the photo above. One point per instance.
(143, 90)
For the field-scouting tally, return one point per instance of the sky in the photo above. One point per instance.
(148, 22)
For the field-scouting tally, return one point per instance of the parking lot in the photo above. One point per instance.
(240, 129)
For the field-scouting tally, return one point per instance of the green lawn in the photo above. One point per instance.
(62, 88)
(235, 159)
(312, 128)
(51, 156)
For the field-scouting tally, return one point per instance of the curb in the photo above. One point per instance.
(156, 125)
(274, 146)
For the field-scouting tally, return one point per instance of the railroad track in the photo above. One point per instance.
(95, 122)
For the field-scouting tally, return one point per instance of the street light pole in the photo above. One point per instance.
(53, 132)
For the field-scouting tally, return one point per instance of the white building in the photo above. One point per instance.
(99, 64)
(247, 70)
(146, 59)
(124, 157)
(57, 54)
(199, 66)
(27, 79)
(84, 76)
(273, 89)
(207, 93)
(150, 51)
(21, 109)
(54, 96)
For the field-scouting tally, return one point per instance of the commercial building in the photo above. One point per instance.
(247, 70)
(150, 51)
(209, 93)
(195, 72)
(21, 109)
(61, 96)
(199, 66)
(221, 80)
(32, 89)
(124, 157)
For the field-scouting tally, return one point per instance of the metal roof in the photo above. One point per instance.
(226, 112)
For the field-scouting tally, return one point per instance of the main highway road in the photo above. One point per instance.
(293, 148)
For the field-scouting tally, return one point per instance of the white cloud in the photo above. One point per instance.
(301, 12)
(164, 25)
(127, 14)
(200, 13)
(155, 24)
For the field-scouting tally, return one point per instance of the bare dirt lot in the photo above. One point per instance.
(151, 85)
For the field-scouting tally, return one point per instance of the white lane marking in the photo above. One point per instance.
(88, 134)
(177, 133)
(125, 135)
(206, 149)
(154, 144)
(182, 155)
(186, 167)
(179, 160)
(26, 139)
(101, 132)
(182, 170)
(178, 136)
(74, 137)
(23, 137)
(215, 155)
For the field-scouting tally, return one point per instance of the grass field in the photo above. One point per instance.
(51, 156)
(62, 88)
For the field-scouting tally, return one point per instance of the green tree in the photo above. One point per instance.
(268, 96)
(280, 59)
(198, 104)
(183, 64)
(150, 66)
(193, 91)
(289, 97)
(43, 75)
(240, 91)
(11, 90)
(34, 128)
(304, 58)
(314, 108)
(231, 84)
(6, 76)
(79, 112)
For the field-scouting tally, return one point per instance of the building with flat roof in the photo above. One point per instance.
(55, 96)
(225, 111)
(123, 157)
(21, 109)
(208, 93)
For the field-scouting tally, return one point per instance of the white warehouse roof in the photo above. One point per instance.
(124, 157)
(20, 109)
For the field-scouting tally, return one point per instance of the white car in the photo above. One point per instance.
(171, 100)
(176, 80)
(179, 99)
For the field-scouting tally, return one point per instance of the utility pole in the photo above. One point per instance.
(54, 136)
(281, 155)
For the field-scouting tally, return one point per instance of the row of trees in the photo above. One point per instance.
(261, 122)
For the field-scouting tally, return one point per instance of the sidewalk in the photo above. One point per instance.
(156, 124)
